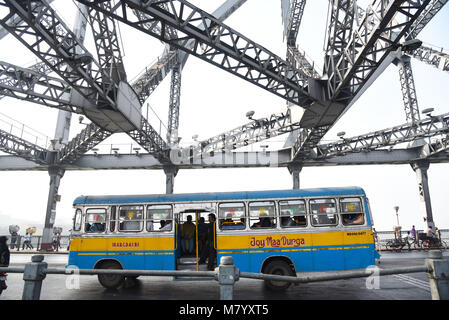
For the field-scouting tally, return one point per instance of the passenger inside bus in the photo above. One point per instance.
(187, 235)
(227, 222)
(300, 220)
(356, 218)
(264, 222)
(165, 225)
(97, 227)
(287, 222)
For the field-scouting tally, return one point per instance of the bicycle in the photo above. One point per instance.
(395, 244)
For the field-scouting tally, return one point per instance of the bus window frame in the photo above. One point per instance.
(110, 220)
(245, 215)
(336, 213)
(305, 213)
(275, 215)
(342, 213)
(146, 205)
(142, 221)
(86, 213)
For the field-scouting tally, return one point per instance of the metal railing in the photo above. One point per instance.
(227, 274)
(35, 243)
(383, 237)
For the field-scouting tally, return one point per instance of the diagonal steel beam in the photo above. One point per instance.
(45, 34)
(14, 145)
(426, 16)
(106, 40)
(32, 86)
(382, 27)
(88, 138)
(217, 44)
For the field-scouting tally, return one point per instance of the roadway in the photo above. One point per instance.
(413, 286)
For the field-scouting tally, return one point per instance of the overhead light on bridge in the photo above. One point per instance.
(250, 115)
(411, 45)
(427, 112)
(83, 59)
(341, 134)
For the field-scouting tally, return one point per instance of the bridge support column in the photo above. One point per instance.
(294, 170)
(170, 174)
(56, 174)
(420, 167)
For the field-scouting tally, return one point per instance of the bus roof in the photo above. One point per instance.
(217, 196)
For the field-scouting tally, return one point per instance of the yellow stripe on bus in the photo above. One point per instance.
(266, 241)
(122, 244)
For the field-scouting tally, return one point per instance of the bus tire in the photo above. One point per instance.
(110, 281)
(281, 268)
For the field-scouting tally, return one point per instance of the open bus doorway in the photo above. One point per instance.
(191, 237)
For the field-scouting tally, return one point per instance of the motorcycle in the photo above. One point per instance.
(3, 285)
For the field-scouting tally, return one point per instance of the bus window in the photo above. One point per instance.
(130, 218)
(351, 211)
(95, 220)
(293, 213)
(262, 214)
(159, 218)
(231, 216)
(324, 212)
(113, 219)
(77, 219)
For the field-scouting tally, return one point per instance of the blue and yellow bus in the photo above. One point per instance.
(276, 232)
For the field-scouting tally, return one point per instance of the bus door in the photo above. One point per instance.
(191, 237)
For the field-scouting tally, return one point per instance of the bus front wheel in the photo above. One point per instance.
(110, 281)
(280, 268)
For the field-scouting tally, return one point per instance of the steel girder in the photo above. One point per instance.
(408, 89)
(37, 87)
(247, 134)
(107, 44)
(438, 58)
(12, 144)
(429, 127)
(340, 24)
(150, 140)
(88, 138)
(431, 10)
(217, 44)
(173, 107)
(296, 11)
(45, 34)
(148, 80)
(380, 30)
(382, 27)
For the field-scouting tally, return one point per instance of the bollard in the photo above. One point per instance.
(33, 275)
(227, 275)
(438, 273)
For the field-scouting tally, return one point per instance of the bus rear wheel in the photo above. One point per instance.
(110, 281)
(280, 268)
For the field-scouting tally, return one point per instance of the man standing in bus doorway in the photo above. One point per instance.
(212, 252)
(187, 234)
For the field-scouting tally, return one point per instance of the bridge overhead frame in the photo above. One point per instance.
(361, 43)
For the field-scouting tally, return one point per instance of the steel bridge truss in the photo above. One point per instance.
(359, 41)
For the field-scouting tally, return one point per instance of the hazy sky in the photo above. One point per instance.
(214, 101)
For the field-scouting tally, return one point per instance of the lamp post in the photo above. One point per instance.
(396, 208)
(397, 229)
